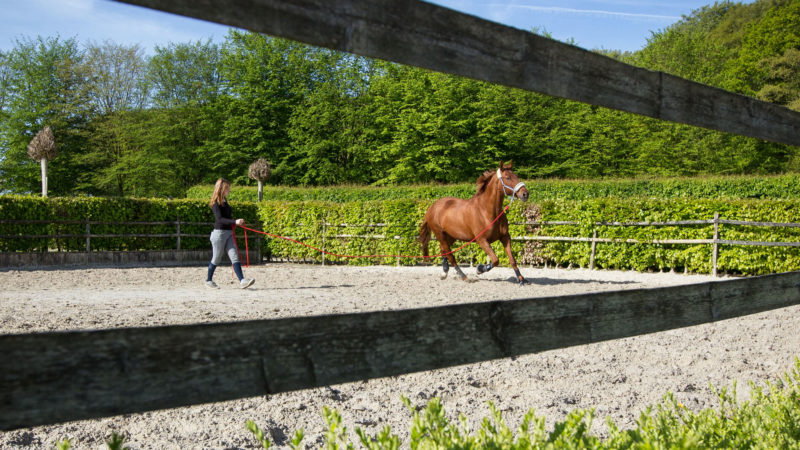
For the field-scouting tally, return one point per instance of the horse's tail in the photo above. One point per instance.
(424, 236)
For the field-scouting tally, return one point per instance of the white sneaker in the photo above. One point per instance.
(246, 283)
(211, 285)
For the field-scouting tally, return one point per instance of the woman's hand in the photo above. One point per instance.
(239, 222)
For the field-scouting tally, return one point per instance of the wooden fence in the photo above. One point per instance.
(433, 37)
(87, 235)
(136, 253)
(62, 376)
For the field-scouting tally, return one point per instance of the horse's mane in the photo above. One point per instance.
(483, 181)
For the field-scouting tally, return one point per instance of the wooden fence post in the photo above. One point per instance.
(397, 238)
(88, 243)
(178, 233)
(324, 230)
(715, 252)
(594, 249)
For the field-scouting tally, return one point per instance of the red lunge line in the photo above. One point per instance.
(359, 256)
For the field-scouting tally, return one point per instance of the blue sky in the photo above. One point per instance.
(593, 24)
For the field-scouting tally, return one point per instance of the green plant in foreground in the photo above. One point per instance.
(265, 442)
(770, 419)
(115, 442)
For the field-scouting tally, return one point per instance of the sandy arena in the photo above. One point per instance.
(617, 378)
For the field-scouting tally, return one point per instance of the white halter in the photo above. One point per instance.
(516, 188)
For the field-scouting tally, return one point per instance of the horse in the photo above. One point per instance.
(454, 219)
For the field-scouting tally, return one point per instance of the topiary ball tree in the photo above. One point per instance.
(43, 148)
(260, 171)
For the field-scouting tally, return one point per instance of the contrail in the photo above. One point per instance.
(557, 9)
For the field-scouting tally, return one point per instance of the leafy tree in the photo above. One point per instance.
(769, 36)
(185, 74)
(265, 79)
(116, 77)
(782, 75)
(685, 48)
(333, 132)
(45, 85)
(5, 75)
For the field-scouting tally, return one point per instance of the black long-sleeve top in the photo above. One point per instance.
(223, 216)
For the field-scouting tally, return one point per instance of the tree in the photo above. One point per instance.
(783, 79)
(46, 85)
(332, 133)
(116, 77)
(264, 80)
(42, 148)
(5, 74)
(260, 172)
(185, 74)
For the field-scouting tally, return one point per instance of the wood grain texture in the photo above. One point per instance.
(424, 35)
(64, 376)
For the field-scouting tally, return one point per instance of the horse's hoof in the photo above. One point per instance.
(442, 276)
(523, 281)
(464, 278)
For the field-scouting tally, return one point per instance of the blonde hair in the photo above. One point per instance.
(216, 197)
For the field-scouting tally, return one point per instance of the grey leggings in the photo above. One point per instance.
(222, 242)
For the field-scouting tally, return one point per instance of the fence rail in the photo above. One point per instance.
(430, 36)
(65, 376)
(88, 235)
(715, 241)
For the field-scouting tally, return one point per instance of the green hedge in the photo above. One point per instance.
(107, 210)
(339, 194)
(304, 221)
(748, 260)
(730, 187)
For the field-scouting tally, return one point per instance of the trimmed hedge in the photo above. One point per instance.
(304, 221)
(339, 194)
(14, 207)
(730, 187)
(746, 260)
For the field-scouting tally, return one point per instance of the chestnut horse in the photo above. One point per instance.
(455, 219)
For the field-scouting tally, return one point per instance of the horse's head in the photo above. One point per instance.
(510, 183)
(507, 181)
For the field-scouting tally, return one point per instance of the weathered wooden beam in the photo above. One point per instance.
(55, 377)
(425, 35)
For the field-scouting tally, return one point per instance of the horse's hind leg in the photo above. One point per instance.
(448, 259)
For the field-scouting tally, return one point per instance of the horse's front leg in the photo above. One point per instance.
(506, 241)
(493, 259)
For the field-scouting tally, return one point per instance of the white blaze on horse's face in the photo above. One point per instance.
(507, 188)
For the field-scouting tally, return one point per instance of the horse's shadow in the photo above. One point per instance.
(555, 282)
(324, 286)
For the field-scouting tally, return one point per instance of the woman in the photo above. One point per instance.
(222, 236)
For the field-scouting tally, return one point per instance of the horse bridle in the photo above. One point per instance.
(516, 188)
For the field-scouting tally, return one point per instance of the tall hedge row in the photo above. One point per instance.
(747, 260)
(305, 221)
(106, 210)
(317, 224)
(728, 187)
